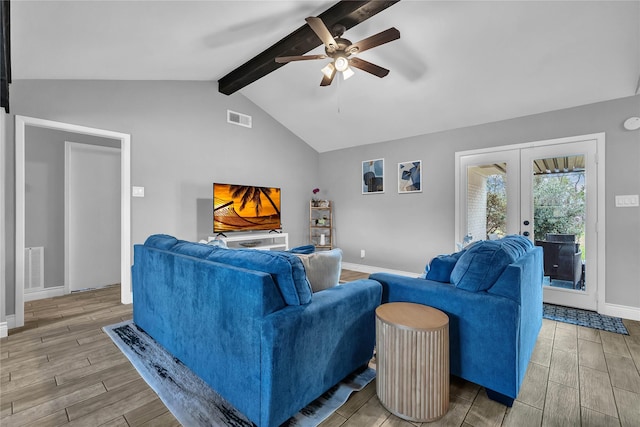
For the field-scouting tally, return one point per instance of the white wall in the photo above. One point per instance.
(404, 231)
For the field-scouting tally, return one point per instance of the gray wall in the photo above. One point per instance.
(404, 231)
(44, 194)
(180, 144)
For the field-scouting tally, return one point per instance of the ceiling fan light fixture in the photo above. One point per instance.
(340, 50)
(341, 63)
(328, 70)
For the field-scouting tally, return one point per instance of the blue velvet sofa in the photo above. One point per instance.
(492, 293)
(247, 323)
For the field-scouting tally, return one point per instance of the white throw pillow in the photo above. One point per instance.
(322, 268)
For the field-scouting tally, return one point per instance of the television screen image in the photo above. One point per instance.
(245, 208)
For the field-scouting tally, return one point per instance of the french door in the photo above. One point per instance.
(547, 191)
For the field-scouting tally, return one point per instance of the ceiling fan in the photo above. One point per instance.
(341, 51)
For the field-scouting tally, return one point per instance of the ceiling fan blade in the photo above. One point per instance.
(383, 37)
(285, 59)
(368, 67)
(326, 80)
(322, 32)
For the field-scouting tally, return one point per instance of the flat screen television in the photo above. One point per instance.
(245, 208)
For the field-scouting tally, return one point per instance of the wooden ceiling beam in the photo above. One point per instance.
(299, 42)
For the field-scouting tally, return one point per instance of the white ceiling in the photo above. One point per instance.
(456, 64)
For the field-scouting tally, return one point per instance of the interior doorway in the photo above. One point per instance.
(21, 122)
(553, 193)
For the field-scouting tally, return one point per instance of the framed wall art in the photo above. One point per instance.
(410, 177)
(373, 176)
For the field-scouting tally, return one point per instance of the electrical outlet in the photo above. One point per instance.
(137, 192)
(361, 253)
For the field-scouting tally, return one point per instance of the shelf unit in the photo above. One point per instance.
(263, 241)
(321, 224)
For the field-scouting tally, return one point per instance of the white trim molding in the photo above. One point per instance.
(624, 311)
(21, 122)
(11, 321)
(370, 269)
(54, 291)
(4, 330)
(3, 236)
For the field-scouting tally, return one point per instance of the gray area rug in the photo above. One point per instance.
(194, 403)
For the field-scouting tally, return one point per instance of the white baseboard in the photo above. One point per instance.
(11, 321)
(369, 269)
(56, 291)
(4, 329)
(624, 311)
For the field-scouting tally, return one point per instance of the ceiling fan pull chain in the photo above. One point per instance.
(338, 89)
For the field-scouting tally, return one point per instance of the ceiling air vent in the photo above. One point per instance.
(238, 119)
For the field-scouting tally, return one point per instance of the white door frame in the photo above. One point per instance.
(68, 148)
(585, 299)
(21, 122)
(600, 286)
(4, 329)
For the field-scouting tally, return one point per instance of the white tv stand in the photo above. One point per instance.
(263, 241)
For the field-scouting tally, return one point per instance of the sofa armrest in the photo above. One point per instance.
(317, 345)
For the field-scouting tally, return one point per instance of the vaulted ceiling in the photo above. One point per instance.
(457, 63)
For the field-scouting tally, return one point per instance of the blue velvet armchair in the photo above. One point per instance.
(492, 293)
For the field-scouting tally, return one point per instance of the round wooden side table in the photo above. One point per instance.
(412, 357)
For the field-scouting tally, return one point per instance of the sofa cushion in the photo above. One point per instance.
(322, 268)
(286, 269)
(161, 241)
(481, 265)
(440, 267)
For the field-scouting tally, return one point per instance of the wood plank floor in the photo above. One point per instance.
(61, 369)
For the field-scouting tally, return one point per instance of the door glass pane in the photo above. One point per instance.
(559, 203)
(486, 202)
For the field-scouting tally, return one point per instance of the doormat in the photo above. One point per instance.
(589, 319)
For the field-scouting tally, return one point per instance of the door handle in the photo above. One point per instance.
(525, 234)
(526, 222)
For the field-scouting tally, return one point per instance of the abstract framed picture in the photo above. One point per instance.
(410, 177)
(372, 176)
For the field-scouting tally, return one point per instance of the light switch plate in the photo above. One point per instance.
(137, 191)
(627, 201)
